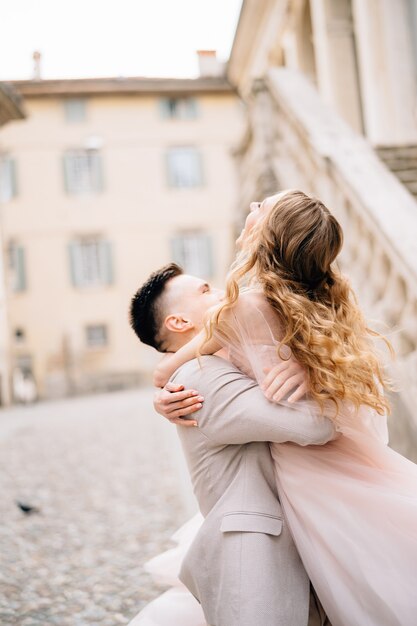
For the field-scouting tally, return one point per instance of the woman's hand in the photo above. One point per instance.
(174, 403)
(283, 378)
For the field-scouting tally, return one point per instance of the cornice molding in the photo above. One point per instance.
(110, 86)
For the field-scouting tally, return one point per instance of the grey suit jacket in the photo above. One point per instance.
(243, 565)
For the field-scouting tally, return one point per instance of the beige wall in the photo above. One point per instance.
(137, 212)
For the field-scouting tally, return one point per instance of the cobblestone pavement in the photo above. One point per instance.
(105, 474)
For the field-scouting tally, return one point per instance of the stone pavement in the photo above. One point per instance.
(110, 484)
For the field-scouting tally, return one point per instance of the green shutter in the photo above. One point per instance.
(169, 170)
(199, 160)
(177, 250)
(72, 258)
(7, 178)
(98, 178)
(164, 108)
(13, 177)
(106, 259)
(207, 255)
(66, 168)
(192, 108)
(20, 269)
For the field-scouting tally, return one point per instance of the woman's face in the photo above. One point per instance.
(257, 211)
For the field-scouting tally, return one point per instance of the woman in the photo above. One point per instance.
(352, 504)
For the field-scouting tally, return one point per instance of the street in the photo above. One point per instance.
(109, 487)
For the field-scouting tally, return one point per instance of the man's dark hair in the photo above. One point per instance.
(145, 312)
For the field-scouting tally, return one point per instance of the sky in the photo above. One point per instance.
(86, 38)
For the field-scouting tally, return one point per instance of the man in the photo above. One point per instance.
(243, 566)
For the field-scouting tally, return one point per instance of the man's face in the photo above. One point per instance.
(186, 301)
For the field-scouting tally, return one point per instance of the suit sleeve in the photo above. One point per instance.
(235, 411)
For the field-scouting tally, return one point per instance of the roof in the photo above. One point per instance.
(11, 105)
(133, 85)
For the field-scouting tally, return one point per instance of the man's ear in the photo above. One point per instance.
(178, 324)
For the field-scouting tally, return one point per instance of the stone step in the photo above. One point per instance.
(398, 165)
(412, 187)
(403, 152)
(402, 161)
(406, 176)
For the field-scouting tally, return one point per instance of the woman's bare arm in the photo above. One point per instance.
(189, 351)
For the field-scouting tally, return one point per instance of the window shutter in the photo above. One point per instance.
(184, 167)
(193, 252)
(164, 108)
(74, 263)
(192, 109)
(8, 187)
(13, 178)
(66, 165)
(169, 169)
(199, 168)
(98, 184)
(106, 262)
(75, 109)
(20, 269)
(177, 250)
(206, 255)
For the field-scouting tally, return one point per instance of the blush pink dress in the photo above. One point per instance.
(351, 505)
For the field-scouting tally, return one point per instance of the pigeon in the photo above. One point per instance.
(27, 509)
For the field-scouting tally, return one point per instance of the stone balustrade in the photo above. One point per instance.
(295, 141)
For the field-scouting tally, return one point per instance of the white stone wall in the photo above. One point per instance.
(308, 146)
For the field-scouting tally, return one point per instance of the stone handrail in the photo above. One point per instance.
(304, 144)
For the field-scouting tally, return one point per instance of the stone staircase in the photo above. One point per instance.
(295, 141)
(402, 161)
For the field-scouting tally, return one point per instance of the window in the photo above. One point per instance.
(19, 335)
(8, 187)
(178, 108)
(24, 363)
(96, 336)
(83, 171)
(91, 262)
(17, 267)
(184, 167)
(193, 252)
(75, 110)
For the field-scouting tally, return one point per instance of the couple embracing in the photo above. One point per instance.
(308, 516)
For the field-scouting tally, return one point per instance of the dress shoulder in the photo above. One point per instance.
(257, 320)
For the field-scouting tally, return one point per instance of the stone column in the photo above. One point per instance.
(267, 183)
(335, 56)
(386, 70)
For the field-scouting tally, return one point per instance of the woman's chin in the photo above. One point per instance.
(239, 241)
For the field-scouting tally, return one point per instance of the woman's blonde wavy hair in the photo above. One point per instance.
(290, 254)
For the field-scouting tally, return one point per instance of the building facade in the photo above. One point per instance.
(331, 95)
(110, 179)
(11, 109)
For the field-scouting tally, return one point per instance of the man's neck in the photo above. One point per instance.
(178, 340)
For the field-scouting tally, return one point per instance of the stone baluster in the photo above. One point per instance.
(294, 146)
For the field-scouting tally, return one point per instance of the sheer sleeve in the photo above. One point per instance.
(251, 332)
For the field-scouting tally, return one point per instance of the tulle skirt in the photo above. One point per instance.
(352, 509)
(177, 606)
